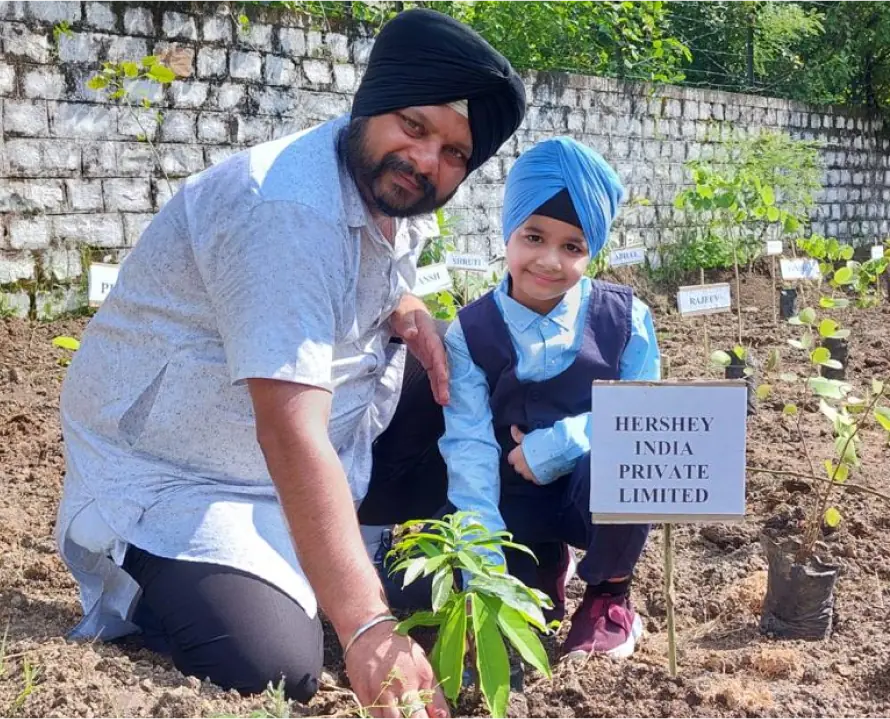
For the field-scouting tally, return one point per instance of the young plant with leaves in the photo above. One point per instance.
(472, 621)
(124, 82)
(848, 412)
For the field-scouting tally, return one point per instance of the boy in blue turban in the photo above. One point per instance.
(522, 359)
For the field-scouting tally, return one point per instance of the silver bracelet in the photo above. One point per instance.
(365, 627)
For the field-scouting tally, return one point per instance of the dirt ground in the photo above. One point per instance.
(726, 667)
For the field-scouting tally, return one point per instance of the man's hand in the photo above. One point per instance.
(391, 676)
(412, 322)
(516, 458)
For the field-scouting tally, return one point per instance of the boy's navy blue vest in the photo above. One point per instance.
(534, 405)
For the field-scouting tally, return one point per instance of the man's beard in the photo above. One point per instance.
(366, 172)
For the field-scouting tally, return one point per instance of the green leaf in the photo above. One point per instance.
(820, 355)
(807, 315)
(443, 583)
(67, 343)
(877, 386)
(414, 570)
(97, 82)
(841, 334)
(790, 409)
(827, 328)
(149, 60)
(453, 637)
(160, 73)
(792, 224)
(773, 214)
(764, 391)
(797, 344)
(882, 417)
(832, 364)
(433, 563)
(768, 196)
(828, 388)
(491, 660)
(845, 253)
(514, 594)
(788, 377)
(827, 302)
(130, 69)
(117, 94)
(719, 358)
(419, 619)
(832, 517)
(843, 276)
(517, 631)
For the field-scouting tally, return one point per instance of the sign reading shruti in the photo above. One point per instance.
(668, 452)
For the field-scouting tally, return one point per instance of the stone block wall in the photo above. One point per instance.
(78, 184)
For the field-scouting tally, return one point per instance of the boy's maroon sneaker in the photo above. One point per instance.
(604, 625)
(552, 580)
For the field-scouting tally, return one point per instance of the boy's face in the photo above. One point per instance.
(545, 258)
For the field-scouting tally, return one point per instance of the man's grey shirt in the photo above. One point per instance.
(264, 266)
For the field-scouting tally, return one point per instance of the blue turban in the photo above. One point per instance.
(564, 164)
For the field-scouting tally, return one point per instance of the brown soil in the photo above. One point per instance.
(726, 667)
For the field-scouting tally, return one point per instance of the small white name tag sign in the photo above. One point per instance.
(101, 279)
(627, 256)
(774, 247)
(468, 262)
(877, 252)
(704, 299)
(667, 452)
(432, 278)
(800, 269)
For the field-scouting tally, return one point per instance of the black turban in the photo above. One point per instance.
(423, 57)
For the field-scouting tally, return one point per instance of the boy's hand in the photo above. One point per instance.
(517, 459)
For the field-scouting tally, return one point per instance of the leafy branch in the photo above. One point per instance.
(118, 80)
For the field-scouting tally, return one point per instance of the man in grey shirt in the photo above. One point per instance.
(220, 415)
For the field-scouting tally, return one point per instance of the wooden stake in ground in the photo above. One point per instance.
(701, 276)
(669, 598)
(772, 277)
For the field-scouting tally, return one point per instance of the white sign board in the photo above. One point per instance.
(102, 279)
(667, 452)
(432, 278)
(704, 299)
(877, 252)
(627, 256)
(800, 269)
(471, 263)
(774, 247)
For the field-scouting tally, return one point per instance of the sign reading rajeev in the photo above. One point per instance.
(667, 452)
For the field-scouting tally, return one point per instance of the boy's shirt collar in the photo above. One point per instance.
(520, 318)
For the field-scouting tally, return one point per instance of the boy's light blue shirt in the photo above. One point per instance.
(545, 346)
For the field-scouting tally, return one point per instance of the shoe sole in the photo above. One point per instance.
(622, 651)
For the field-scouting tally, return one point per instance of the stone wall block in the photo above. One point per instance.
(127, 195)
(95, 230)
(44, 83)
(138, 21)
(25, 118)
(101, 16)
(179, 26)
(28, 233)
(217, 28)
(317, 72)
(16, 266)
(53, 12)
(212, 62)
(20, 41)
(84, 195)
(245, 65)
(83, 121)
